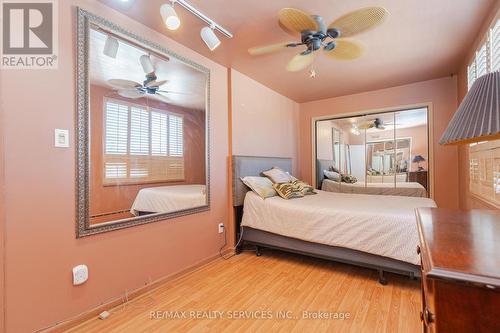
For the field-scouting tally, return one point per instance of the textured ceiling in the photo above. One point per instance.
(421, 39)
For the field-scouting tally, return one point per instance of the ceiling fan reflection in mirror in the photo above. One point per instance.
(315, 34)
(149, 87)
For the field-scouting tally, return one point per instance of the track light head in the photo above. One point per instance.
(146, 64)
(111, 47)
(210, 38)
(169, 16)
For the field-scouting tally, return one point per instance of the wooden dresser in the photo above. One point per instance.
(418, 177)
(460, 255)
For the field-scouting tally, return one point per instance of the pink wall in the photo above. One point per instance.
(264, 122)
(40, 195)
(442, 93)
(466, 200)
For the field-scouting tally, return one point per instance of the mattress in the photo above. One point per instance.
(401, 189)
(377, 224)
(166, 199)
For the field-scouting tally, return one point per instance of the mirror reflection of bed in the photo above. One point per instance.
(384, 153)
(147, 132)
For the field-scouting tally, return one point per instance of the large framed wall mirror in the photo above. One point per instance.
(377, 153)
(142, 145)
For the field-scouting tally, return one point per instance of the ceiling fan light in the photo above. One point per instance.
(111, 47)
(210, 38)
(146, 64)
(169, 16)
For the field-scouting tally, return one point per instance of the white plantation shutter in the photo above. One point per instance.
(116, 128)
(142, 145)
(487, 58)
(471, 74)
(495, 47)
(139, 131)
(159, 136)
(175, 136)
(482, 61)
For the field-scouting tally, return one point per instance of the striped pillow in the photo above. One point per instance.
(288, 190)
(295, 189)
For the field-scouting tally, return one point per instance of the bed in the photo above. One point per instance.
(381, 186)
(165, 199)
(378, 232)
(401, 189)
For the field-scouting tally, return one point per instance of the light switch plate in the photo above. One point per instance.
(61, 138)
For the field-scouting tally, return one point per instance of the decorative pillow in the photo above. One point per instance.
(277, 175)
(292, 178)
(349, 179)
(334, 169)
(288, 190)
(304, 187)
(332, 175)
(295, 189)
(260, 185)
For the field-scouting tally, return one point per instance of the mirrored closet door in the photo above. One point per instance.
(380, 153)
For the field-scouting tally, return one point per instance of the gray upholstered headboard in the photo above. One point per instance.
(320, 166)
(253, 166)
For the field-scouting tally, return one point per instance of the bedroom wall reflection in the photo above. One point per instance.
(147, 132)
(384, 153)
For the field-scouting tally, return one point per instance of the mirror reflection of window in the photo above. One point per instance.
(147, 130)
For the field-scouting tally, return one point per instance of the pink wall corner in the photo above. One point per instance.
(40, 195)
(441, 93)
(265, 123)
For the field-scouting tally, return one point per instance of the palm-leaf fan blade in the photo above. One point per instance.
(359, 20)
(299, 62)
(345, 50)
(295, 21)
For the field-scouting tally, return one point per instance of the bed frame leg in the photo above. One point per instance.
(258, 252)
(381, 278)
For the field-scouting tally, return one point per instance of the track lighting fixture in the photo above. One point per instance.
(146, 64)
(210, 38)
(172, 21)
(110, 47)
(169, 16)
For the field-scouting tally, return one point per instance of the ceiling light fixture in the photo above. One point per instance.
(208, 35)
(169, 16)
(210, 38)
(111, 47)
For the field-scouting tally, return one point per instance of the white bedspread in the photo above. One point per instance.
(166, 199)
(376, 224)
(403, 189)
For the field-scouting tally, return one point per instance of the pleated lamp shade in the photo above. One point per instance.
(478, 116)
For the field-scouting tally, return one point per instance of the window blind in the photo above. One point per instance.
(482, 61)
(141, 144)
(495, 47)
(487, 58)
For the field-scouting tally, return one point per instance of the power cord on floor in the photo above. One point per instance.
(235, 248)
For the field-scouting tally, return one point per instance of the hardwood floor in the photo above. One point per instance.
(264, 286)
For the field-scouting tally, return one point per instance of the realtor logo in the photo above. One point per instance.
(29, 34)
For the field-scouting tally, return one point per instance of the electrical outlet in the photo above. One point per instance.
(221, 228)
(80, 274)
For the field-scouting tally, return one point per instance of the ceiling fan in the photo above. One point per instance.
(376, 123)
(315, 34)
(150, 86)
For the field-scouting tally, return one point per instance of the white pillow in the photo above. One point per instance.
(260, 185)
(332, 175)
(278, 175)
